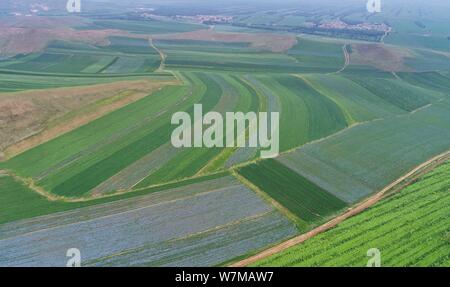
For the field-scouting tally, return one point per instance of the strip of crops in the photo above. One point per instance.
(144, 27)
(399, 93)
(302, 197)
(410, 229)
(306, 114)
(430, 80)
(22, 203)
(114, 163)
(13, 82)
(123, 56)
(112, 140)
(327, 56)
(365, 158)
(129, 225)
(235, 95)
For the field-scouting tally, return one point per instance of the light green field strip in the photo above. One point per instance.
(143, 27)
(431, 81)
(99, 65)
(138, 171)
(271, 104)
(204, 55)
(11, 82)
(399, 93)
(189, 162)
(386, 226)
(320, 54)
(357, 103)
(122, 56)
(133, 174)
(23, 202)
(234, 99)
(96, 141)
(306, 115)
(367, 157)
(147, 136)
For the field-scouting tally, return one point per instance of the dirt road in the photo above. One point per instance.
(347, 59)
(393, 187)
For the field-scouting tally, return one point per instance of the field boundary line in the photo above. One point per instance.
(390, 189)
(283, 210)
(163, 56)
(347, 59)
(188, 236)
(30, 183)
(150, 205)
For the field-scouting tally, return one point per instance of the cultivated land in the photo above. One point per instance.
(85, 139)
(385, 226)
(172, 219)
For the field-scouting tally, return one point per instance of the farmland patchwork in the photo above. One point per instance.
(173, 141)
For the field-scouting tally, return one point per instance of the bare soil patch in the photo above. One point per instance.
(20, 40)
(386, 58)
(30, 118)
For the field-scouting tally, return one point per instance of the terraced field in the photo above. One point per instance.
(386, 226)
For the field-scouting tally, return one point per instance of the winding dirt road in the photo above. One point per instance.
(391, 188)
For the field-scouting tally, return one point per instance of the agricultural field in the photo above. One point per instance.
(122, 56)
(139, 27)
(34, 116)
(304, 199)
(387, 227)
(369, 156)
(193, 241)
(86, 107)
(244, 53)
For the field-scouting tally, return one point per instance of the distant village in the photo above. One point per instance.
(340, 25)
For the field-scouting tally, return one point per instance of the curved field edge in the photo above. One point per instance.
(398, 185)
(50, 113)
(244, 224)
(21, 201)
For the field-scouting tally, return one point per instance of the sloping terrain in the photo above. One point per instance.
(109, 182)
(387, 227)
(204, 223)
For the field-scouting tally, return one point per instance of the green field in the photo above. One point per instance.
(347, 130)
(236, 57)
(122, 56)
(21, 202)
(410, 228)
(303, 198)
(143, 27)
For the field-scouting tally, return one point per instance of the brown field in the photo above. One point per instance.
(386, 58)
(32, 117)
(24, 35)
(20, 40)
(270, 42)
(43, 21)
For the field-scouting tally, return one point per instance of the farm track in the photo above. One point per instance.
(163, 56)
(385, 35)
(347, 59)
(392, 188)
